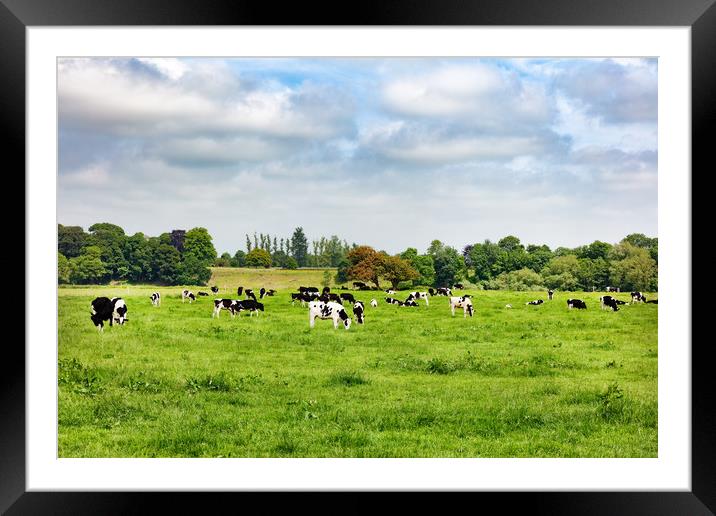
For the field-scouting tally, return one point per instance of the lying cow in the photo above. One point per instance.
(458, 286)
(200, 293)
(609, 302)
(443, 291)
(187, 294)
(270, 292)
(535, 302)
(156, 298)
(105, 309)
(321, 310)
(390, 292)
(393, 301)
(215, 289)
(359, 311)
(463, 302)
(576, 303)
(409, 302)
(638, 297)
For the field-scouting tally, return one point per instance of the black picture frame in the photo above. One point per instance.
(17, 15)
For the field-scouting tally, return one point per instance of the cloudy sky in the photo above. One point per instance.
(390, 152)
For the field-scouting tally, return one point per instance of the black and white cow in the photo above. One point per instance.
(321, 310)
(249, 293)
(431, 291)
(200, 293)
(609, 302)
(458, 286)
(410, 302)
(359, 311)
(303, 297)
(443, 291)
(420, 295)
(239, 291)
(393, 301)
(223, 304)
(576, 303)
(535, 302)
(156, 298)
(187, 294)
(619, 301)
(215, 289)
(250, 305)
(638, 297)
(550, 294)
(390, 292)
(463, 302)
(373, 303)
(348, 297)
(358, 284)
(326, 290)
(335, 297)
(105, 309)
(262, 293)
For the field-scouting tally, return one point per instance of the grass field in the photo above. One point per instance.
(530, 381)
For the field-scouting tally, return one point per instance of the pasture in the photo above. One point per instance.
(527, 381)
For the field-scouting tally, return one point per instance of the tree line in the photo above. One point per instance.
(105, 253)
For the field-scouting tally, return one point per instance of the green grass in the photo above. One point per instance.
(531, 381)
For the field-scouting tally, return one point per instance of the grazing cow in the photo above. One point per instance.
(535, 302)
(431, 291)
(576, 303)
(550, 294)
(358, 284)
(653, 302)
(348, 297)
(250, 294)
(335, 297)
(390, 291)
(105, 309)
(156, 298)
(458, 286)
(373, 303)
(410, 302)
(420, 295)
(224, 304)
(186, 294)
(610, 302)
(393, 301)
(326, 290)
(270, 292)
(637, 297)
(443, 291)
(303, 297)
(318, 309)
(251, 305)
(215, 289)
(463, 302)
(239, 291)
(358, 311)
(200, 293)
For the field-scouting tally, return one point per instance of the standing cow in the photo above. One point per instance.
(186, 294)
(156, 298)
(105, 309)
(463, 302)
(321, 310)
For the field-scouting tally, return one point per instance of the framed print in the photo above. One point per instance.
(396, 127)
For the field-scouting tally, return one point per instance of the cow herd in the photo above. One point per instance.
(327, 305)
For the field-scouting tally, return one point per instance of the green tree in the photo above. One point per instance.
(395, 269)
(193, 271)
(223, 261)
(70, 240)
(299, 247)
(538, 256)
(434, 247)
(326, 278)
(562, 273)
(258, 258)
(449, 267)
(88, 267)
(290, 263)
(637, 270)
(198, 243)
(111, 240)
(166, 262)
(423, 264)
(342, 272)
(138, 253)
(522, 279)
(239, 259)
(63, 269)
(596, 250)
